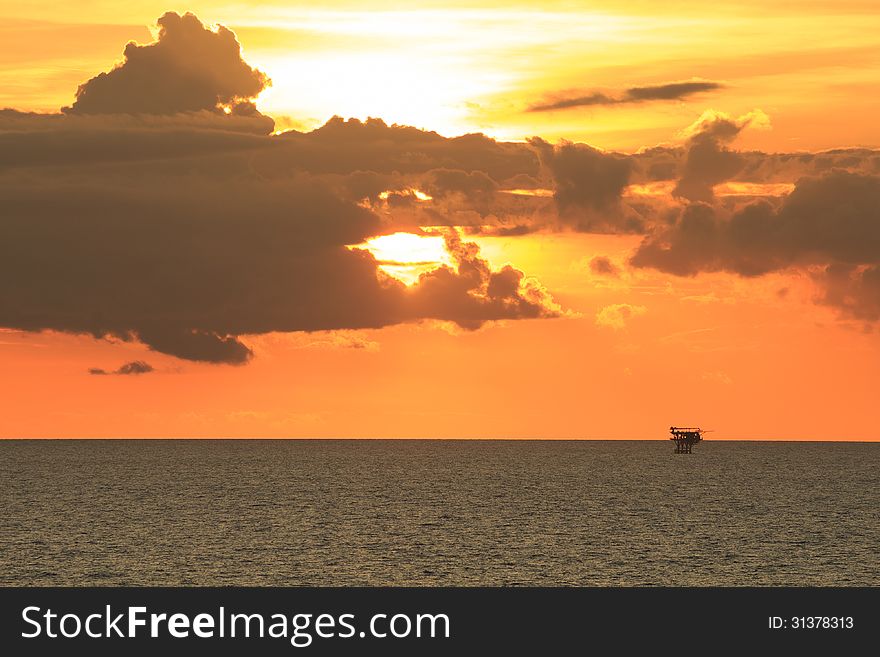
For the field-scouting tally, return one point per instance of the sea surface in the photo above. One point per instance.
(219, 512)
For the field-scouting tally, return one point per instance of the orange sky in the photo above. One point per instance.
(457, 67)
(751, 357)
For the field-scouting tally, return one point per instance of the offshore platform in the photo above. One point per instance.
(685, 438)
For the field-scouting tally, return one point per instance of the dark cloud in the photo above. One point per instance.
(581, 100)
(504, 231)
(187, 271)
(603, 266)
(471, 293)
(188, 69)
(202, 345)
(464, 176)
(668, 91)
(344, 146)
(834, 218)
(691, 245)
(459, 189)
(134, 367)
(832, 221)
(171, 222)
(47, 140)
(854, 290)
(589, 184)
(188, 261)
(671, 90)
(12, 120)
(708, 161)
(787, 167)
(667, 162)
(585, 176)
(473, 185)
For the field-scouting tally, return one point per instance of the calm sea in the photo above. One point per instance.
(438, 513)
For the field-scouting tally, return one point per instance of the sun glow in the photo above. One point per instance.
(664, 188)
(415, 193)
(415, 89)
(406, 256)
(438, 69)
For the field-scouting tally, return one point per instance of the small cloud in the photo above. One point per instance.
(603, 266)
(617, 315)
(134, 367)
(667, 91)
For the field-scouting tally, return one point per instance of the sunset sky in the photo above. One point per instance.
(532, 220)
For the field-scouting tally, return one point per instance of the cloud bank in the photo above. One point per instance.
(147, 212)
(168, 221)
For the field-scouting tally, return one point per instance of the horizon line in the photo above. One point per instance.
(416, 439)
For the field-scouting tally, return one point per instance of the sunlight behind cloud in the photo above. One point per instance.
(426, 92)
(428, 68)
(405, 256)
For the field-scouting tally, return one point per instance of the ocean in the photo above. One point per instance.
(427, 513)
